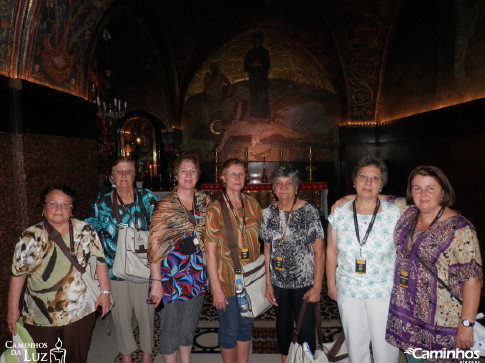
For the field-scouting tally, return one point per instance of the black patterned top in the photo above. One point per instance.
(297, 249)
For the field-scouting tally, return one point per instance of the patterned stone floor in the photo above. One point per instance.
(264, 334)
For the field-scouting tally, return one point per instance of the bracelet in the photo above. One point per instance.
(105, 292)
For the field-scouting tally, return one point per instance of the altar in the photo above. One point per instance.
(313, 192)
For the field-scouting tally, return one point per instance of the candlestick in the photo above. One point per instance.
(216, 178)
(264, 178)
(281, 154)
(246, 155)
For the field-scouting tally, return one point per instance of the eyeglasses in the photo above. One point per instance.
(121, 172)
(235, 175)
(371, 179)
(55, 205)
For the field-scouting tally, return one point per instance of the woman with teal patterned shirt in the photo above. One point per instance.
(129, 297)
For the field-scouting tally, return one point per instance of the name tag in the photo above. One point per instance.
(360, 266)
(403, 279)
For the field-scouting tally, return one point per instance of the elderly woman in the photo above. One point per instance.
(235, 331)
(432, 240)
(57, 304)
(294, 256)
(135, 207)
(360, 263)
(178, 275)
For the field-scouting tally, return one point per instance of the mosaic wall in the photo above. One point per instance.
(29, 164)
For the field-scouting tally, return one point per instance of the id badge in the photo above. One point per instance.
(244, 254)
(403, 279)
(278, 264)
(360, 266)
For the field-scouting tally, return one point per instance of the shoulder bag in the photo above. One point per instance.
(323, 353)
(478, 329)
(88, 273)
(131, 259)
(253, 274)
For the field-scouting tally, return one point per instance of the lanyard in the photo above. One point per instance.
(120, 201)
(369, 228)
(242, 226)
(287, 222)
(410, 242)
(195, 212)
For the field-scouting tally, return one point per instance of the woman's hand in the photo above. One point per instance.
(464, 337)
(156, 292)
(341, 201)
(104, 301)
(13, 315)
(312, 295)
(269, 294)
(219, 299)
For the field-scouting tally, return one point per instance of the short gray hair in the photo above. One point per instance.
(286, 171)
(378, 163)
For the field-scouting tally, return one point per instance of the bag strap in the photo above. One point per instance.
(318, 322)
(55, 236)
(332, 353)
(438, 279)
(230, 234)
(138, 200)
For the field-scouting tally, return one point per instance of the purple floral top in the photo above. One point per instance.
(424, 315)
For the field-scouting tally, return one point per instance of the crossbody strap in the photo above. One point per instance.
(55, 236)
(438, 279)
(230, 233)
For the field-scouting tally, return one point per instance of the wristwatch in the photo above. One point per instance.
(467, 323)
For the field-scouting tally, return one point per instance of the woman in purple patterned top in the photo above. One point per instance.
(432, 239)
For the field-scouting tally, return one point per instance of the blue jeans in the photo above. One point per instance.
(233, 327)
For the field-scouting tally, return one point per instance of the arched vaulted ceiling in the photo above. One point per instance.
(53, 42)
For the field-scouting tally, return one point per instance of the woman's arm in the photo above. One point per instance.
(156, 291)
(269, 294)
(218, 297)
(313, 295)
(14, 292)
(103, 299)
(332, 253)
(471, 300)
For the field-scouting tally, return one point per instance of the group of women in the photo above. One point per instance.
(406, 274)
(380, 259)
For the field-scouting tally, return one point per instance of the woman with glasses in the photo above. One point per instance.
(57, 304)
(135, 207)
(175, 254)
(235, 331)
(360, 264)
(294, 258)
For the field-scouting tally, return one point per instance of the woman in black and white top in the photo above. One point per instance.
(295, 259)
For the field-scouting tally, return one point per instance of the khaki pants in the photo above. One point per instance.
(130, 302)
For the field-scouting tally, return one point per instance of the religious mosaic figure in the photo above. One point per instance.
(256, 64)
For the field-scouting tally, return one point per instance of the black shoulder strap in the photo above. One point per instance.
(57, 238)
(230, 233)
(438, 279)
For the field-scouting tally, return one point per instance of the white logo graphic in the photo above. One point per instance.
(58, 354)
(462, 355)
